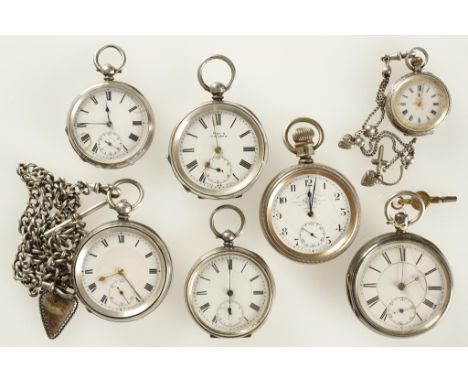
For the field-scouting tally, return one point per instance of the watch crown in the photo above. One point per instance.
(303, 135)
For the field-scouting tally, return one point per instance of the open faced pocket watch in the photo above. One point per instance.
(309, 212)
(219, 149)
(120, 271)
(399, 283)
(110, 124)
(417, 103)
(229, 291)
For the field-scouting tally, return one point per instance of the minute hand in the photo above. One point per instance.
(311, 199)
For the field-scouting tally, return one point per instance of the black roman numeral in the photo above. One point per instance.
(374, 269)
(254, 278)
(203, 123)
(149, 287)
(372, 301)
(104, 243)
(215, 267)
(137, 123)
(430, 271)
(402, 254)
(254, 306)
(95, 148)
(245, 133)
(429, 303)
(258, 292)
(149, 254)
(89, 271)
(108, 95)
(121, 238)
(434, 288)
(218, 118)
(386, 257)
(153, 271)
(133, 137)
(192, 165)
(92, 287)
(202, 177)
(201, 293)
(85, 138)
(205, 307)
(93, 98)
(189, 150)
(104, 299)
(249, 148)
(245, 164)
(131, 109)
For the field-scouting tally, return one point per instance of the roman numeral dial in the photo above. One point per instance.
(224, 145)
(229, 293)
(401, 287)
(420, 103)
(120, 272)
(115, 121)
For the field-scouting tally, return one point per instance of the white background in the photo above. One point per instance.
(332, 79)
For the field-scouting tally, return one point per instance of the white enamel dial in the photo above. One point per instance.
(218, 149)
(420, 103)
(402, 287)
(310, 213)
(121, 273)
(110, 125)
(230, 294)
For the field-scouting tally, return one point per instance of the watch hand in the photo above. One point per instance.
(310, 233)
(309, 196)
(229, 291)
(311, 199)
(121, 272)
(122, 294)
(109, 122)
(103, 278)
(95, 123)
(217, 148)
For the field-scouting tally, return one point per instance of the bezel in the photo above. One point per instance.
(239, 188)
(75, 108)
(149, 305)
(266, 212)
(392, 105)
(207, 258)
(358, 260)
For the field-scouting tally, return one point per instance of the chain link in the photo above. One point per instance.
(45, 263)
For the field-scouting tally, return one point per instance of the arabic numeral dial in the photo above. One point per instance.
(310, 213)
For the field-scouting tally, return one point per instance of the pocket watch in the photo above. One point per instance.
(400, 284)
(120, 271)
(417, 103)
(110, 124)
(229, 291)
(219, 149)
(309, 212)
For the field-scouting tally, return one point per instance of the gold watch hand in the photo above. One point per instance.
(103, 278)
(121, 272)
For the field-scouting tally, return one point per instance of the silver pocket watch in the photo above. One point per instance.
(219, 149)
(110, 124)
(309, 212)
(120, 271)
(230, 290)
(399, 283)
(417, 103)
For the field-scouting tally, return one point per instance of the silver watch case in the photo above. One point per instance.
(357, 262)
(392, 104)
(75, 109)
(142, 310)
(241, 187)
(207, 258)
(283, 178)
